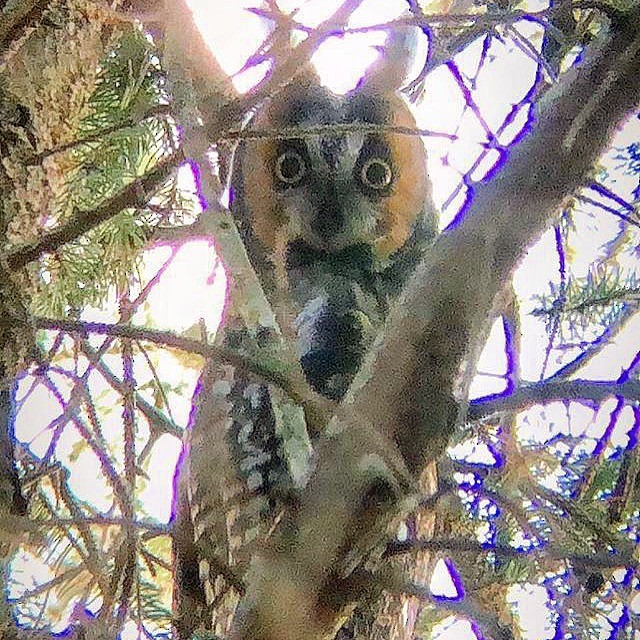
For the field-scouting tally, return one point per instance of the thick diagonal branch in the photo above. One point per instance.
(401, 411)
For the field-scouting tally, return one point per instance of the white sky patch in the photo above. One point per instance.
(442, 583)
(158, 490)
(610, 362)
(473, 451)
(28, 572)
(542, 422)
(533, 616)
(454, 629)
(493, 359)
(508, 74)
(217, 23)
(356, 48)
(192, 287)
(41, 407)
(513, 129)
(537, 268)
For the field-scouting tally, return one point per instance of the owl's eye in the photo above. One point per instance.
(376, 173)
(290, 167)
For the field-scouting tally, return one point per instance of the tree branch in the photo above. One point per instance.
(401, 409)
(135, 194)
(14, 23)
(298, 393)
(530, 393)
(600, 560)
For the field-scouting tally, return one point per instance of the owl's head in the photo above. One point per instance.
(337, 173)
(342, 181)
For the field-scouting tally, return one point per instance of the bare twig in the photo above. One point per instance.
(322, 129)
(600, 560)
(152, 528)
(157, 420)
(130, 465)
(94, 440)
(299, 393)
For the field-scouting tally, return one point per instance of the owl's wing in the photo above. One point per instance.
(231, 488)
(199, 503)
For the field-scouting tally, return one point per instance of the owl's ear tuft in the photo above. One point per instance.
(300, 84)
(389, 72)
(304, 81)
(302, 101)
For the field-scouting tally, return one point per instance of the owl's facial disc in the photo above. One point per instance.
(331, 188)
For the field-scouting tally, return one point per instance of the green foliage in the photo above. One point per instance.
(582, 304)
(151, 603)
(123, 136)
(603, 480)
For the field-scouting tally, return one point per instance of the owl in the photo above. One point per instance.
(332, 201)
(334, 221)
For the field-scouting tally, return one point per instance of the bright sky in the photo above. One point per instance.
(193, 286)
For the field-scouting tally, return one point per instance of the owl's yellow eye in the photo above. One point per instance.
(376, 173)
(290, 167)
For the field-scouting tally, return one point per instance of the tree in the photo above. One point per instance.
(88, 138)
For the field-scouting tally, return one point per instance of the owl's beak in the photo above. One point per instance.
(329, 221)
